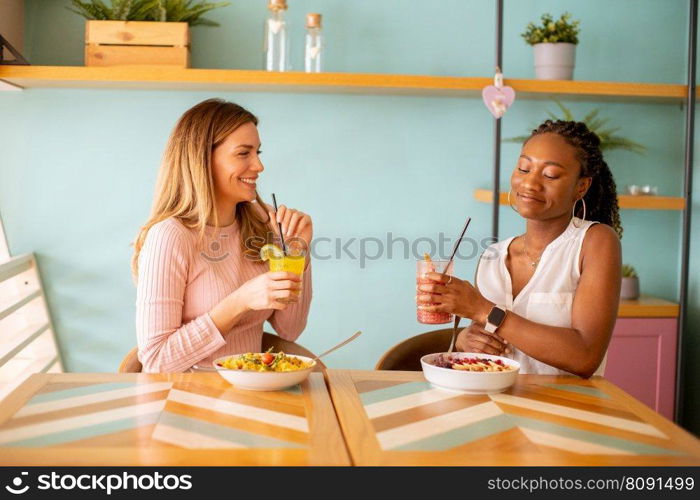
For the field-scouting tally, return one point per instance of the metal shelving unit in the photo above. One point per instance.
(688, 194)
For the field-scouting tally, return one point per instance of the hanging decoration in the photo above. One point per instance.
(498, 97)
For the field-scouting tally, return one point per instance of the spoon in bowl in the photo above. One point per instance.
(338, 346)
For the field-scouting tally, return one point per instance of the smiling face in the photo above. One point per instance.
(236, 165)
(547, 179)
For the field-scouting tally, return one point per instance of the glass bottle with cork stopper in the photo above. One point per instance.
(276, 37)
(313, 46)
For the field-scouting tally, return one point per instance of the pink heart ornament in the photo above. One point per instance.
(498, 99)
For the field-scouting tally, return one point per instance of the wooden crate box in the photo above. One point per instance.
(116, 43)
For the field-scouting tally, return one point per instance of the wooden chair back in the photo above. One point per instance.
(131, 363)
(406, 354)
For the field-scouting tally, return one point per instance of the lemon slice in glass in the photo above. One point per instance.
(271, 251)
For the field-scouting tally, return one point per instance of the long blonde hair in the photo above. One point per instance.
(185, 186)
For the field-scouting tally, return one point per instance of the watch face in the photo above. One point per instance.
(496, 316)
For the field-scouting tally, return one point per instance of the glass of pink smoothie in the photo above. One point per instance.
(422, 268)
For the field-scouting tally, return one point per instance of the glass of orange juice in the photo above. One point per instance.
(293, 262)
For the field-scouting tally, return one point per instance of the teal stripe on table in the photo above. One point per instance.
(223, 432)
(79, 391)
(393, 392)
(86, 432)
(295, 389)
(588, 391)
(463, 435)
(593, 437)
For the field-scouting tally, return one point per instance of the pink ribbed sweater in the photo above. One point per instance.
(180, 280)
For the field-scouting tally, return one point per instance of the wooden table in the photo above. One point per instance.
(397, 418)
(387, 418)
(166, 419)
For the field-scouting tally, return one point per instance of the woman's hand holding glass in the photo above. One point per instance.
(452, 295)
(272, 290)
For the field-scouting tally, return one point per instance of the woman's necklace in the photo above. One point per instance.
(533, 262)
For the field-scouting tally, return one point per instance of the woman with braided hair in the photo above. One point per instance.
(549, 297)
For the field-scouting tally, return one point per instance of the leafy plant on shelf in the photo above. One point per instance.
(609, 140)
(628, 271)
(182, 11)
(186, 11)
(551, 31)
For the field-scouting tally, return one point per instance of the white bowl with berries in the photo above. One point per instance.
(469, 372)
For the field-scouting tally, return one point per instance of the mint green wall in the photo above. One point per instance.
(78, 166)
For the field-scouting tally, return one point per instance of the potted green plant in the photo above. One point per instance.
(609, 138)
(630, 283)
(153, 32)
(554, 44)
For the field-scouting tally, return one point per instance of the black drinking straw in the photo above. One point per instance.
(456, 246)
(279, 225)
(457, 319)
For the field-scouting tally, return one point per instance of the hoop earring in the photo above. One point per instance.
(511, 205)
(573, 211)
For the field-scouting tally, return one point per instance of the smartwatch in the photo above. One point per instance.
(495, 319)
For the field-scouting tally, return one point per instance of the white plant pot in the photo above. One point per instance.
(554, 61)
(630, 288)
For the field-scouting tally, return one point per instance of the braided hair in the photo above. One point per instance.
(601, 197)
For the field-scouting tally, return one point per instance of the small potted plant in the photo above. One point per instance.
(153, 32)
(630, 283)
(554, 44)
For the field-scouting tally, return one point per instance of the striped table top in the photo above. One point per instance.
(398, 418)
(166, 419)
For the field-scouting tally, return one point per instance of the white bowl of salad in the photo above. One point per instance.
(264, 371)
(470, 372)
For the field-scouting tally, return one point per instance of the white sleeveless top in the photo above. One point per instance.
(548, 297)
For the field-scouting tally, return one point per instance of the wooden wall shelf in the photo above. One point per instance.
(625, 201)
(648, 307)
(169, 78)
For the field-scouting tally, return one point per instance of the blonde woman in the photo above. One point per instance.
(202, 290)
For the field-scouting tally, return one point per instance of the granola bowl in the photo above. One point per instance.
(469, 372)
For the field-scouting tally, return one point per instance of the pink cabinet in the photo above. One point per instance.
(642, 361)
